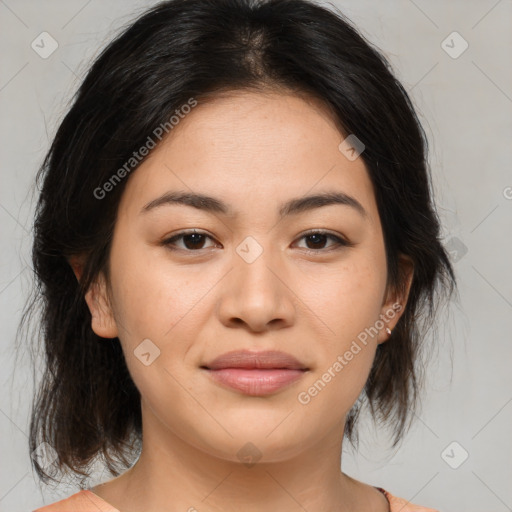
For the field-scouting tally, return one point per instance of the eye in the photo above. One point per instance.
(192, 240)
(318, 238)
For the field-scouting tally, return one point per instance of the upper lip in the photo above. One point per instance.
(249, 360)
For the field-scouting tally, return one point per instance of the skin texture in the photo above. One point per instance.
(253, 151)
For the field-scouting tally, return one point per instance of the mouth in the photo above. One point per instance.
(255, 373)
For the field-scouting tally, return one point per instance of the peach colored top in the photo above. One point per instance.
(87, 501)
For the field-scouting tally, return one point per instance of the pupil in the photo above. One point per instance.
(317, 236)
(195, 242)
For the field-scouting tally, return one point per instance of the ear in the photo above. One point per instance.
(103, 322)
(396, 300)
(77, 264)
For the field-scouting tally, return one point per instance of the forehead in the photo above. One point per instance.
(252, 150)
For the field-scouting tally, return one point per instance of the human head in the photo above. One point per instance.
(196, 49)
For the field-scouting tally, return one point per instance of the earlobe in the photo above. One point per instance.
(103, 322)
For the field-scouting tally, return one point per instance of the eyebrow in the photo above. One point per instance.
(291, 207)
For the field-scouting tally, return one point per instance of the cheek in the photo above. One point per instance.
(151, 295)
(348, 303)
(160, 310)
(347, 299)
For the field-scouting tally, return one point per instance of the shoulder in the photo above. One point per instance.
(397, 504)
(83, 501)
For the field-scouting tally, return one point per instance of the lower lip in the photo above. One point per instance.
(256, 382)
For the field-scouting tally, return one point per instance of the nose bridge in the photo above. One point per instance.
(252, 269)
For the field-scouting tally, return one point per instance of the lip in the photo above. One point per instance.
(249, 360)
(256, 373)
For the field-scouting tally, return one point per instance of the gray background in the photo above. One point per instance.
(465, 104)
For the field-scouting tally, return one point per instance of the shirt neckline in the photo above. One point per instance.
(100, 501)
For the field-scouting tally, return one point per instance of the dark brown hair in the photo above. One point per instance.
(87, 405)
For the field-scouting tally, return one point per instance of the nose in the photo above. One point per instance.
(257, 294)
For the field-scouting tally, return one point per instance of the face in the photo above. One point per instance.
(267, 270)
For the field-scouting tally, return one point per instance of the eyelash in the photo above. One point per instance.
(341, 242)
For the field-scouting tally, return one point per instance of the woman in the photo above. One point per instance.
(236, 248)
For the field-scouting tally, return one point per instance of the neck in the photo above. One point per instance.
(172, 475)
